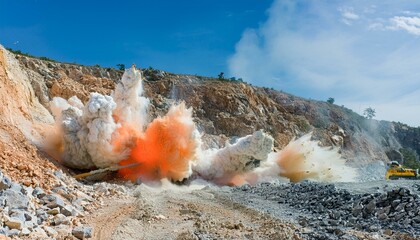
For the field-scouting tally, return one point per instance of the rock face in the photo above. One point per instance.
(223, 109)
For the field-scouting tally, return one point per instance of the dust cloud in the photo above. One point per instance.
(114, 130)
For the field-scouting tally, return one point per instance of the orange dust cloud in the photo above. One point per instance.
(305, 159)
(291, 163)
(166, 148)
(53, 143)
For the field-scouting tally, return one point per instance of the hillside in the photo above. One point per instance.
(40, 200)
(224, 108)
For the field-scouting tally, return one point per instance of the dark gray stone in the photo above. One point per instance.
(357, 210)
(384, 210)
(399, 216)
(68, 211)
(395, 203)
(38, 192)
(400, 207)
(53, 201)
(404, 191)
(416, 219)
(370, 207)
(382, 216)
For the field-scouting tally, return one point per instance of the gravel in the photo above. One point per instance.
(329, 210)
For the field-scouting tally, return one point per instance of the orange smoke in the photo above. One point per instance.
(292, 164)
(166, 148)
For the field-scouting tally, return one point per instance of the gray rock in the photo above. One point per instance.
(59, 174)
(68, 210)
(395, 203)
(25, 232)
(2, 201)
(53, 201)
(39, 233)
(82, 232)
(399, 216)
(18, 214)
(60, 219)
(16, 187)
(353, 220)
(416, 219)
(29, 217)
(50, 231)
(38, 192)
(357, 210)
(382, 216)
(3, 231)
(15, 199)
(335, 215)
(404, 191)
(348, 237)
(384, 210)
(400, 207)
(5, 182)
(370, 207)
(13, 232)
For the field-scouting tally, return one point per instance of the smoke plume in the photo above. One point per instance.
(166, 149)
(223, 165)
(114, 130)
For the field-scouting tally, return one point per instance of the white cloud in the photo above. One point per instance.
(348, 15)
(307, 52)
(409, 24)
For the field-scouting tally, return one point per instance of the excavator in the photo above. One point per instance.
(396, 171)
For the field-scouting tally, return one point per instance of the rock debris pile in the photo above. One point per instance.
(329, 211)
(33, 213)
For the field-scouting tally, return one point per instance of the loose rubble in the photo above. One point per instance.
(30, 213)
(329, 211)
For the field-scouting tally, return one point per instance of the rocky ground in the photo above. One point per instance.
(334, 211)
(277, 210)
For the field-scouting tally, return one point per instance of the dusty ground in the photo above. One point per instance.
(195, 212)
(203, 212)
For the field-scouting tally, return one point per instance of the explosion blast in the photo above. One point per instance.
(114, 130)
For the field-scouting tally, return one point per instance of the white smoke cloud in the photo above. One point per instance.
(98, 127)
(243, 156)
(87, 131)
(131, 105)
(304, 48)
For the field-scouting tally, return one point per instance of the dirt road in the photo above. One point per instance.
(194, 212)
(201, 212)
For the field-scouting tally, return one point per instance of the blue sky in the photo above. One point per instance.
(362, 53)
(186, 36)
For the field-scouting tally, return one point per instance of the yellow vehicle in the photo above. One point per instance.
(396, 171)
